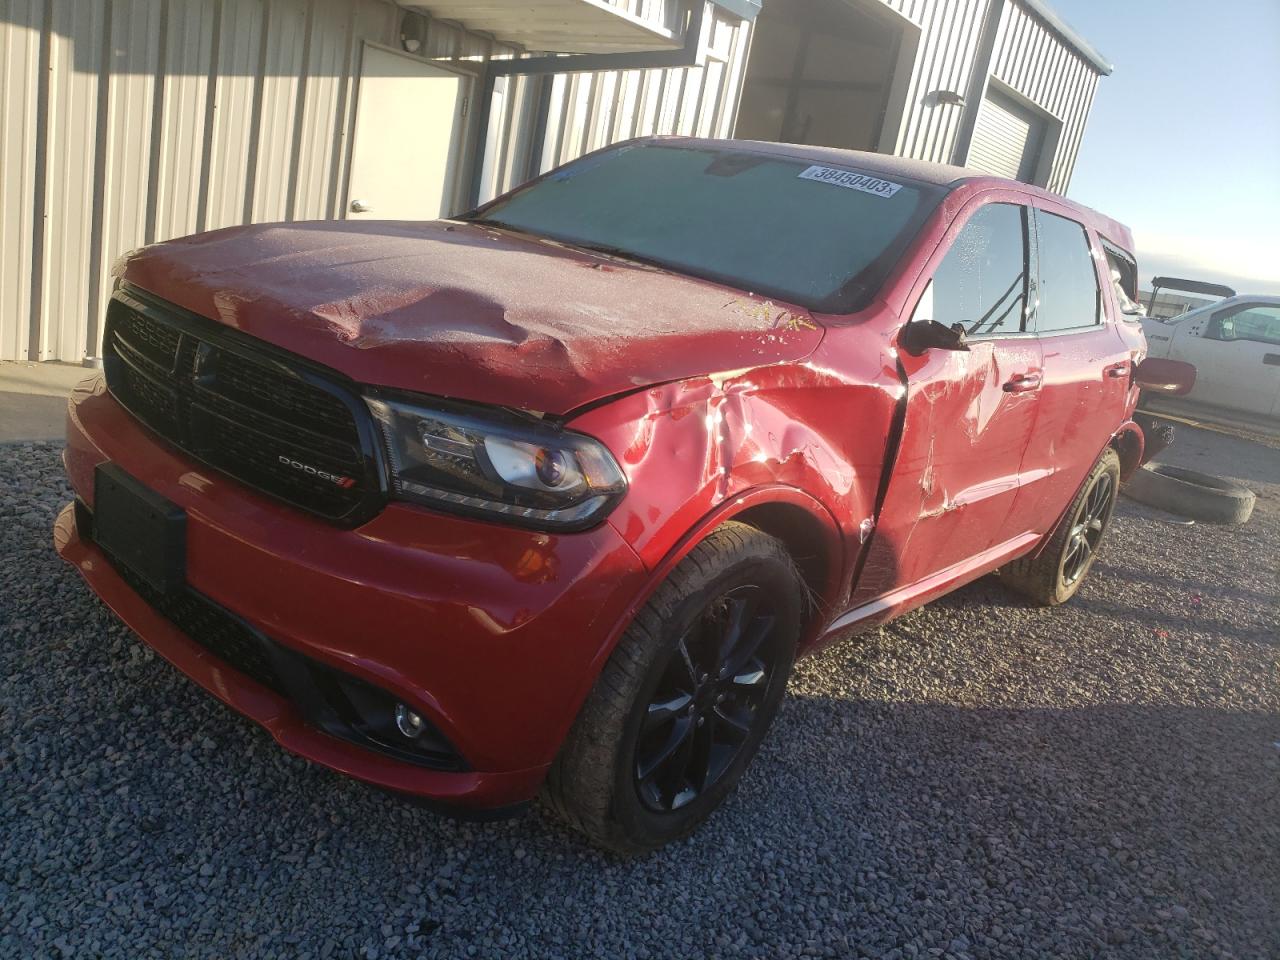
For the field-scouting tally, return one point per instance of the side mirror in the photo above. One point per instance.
(920, 335)
(1171, 377)
(923, 333)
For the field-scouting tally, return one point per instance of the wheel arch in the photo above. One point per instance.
(814, 547)
(799, 520)
(1128, 443)
(803, 524)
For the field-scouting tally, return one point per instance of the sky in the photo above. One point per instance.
(1183, 144)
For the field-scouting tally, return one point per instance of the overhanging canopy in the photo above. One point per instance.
(557, 26)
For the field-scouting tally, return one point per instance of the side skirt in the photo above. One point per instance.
(931, 587)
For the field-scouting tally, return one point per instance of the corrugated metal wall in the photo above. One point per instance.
(124, 122)
(1032, 60)
(949, 31)
(587, 111)
(1028, 58)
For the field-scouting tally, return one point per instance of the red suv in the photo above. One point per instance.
(549, 497)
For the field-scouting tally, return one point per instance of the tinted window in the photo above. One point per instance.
(769, 225)
(1124, 280)
(1255, 322)
(1068, 289)
(982, 281)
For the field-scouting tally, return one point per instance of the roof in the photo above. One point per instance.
(1073, 39)
(890, 167)
(1259, 298)
(557, 26)
(938, 174)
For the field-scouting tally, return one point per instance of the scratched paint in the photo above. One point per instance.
(469, 312)
(710, 398)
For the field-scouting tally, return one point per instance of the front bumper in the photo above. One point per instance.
(492, 633)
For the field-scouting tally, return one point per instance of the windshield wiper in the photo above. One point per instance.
(500, 224)
(608, 249)
(622, 253)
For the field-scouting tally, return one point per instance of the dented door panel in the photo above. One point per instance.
(820, 425)
(958, 467)
(1080, 400)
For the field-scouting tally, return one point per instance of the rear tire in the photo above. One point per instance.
(686, 697)
(1054, 574)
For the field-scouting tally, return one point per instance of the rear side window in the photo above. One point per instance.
(1068, 291)
(981, 283)
(1123, 270)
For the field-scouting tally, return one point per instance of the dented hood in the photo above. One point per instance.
(466, 311)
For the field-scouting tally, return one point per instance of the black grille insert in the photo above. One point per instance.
(270, 420)
(226, 637)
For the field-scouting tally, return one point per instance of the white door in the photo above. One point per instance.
(1236, 354)
(404, 161)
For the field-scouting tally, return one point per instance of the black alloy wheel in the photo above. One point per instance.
(686, 697)
(708, 700)
(1054, 571)
(1087, 528)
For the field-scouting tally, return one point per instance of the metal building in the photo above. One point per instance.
(124, 122)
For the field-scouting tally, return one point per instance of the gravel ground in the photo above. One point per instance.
(978, 779)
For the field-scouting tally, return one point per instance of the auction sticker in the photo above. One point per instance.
(851, 180)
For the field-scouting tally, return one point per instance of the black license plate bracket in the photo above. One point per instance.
(140, 529)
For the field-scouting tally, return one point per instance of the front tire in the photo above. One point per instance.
(1053, 575)
(686, 697)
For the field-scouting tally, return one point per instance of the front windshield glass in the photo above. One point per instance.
(817, 235)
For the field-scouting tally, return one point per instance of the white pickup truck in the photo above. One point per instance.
(1234, 345)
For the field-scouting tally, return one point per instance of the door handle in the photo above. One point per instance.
(1022, 383)
(1118, 371)
(1271, 359)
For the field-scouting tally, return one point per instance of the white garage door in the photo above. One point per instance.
(1006, 139)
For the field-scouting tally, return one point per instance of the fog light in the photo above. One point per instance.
(408, 722)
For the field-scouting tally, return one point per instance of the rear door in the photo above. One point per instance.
(1236, 353)
(1087, 370)
(968, 414)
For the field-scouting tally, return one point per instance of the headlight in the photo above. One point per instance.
(533, 474)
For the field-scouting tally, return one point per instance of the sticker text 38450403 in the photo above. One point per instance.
(851, 180)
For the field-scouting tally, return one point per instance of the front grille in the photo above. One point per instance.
(272, 422)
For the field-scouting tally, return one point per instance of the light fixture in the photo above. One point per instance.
(943, 98)
(409, 723)
(413, 32)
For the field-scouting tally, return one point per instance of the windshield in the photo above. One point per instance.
(819, 236)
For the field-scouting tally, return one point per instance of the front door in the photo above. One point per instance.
(969, 414)
(404, 160)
